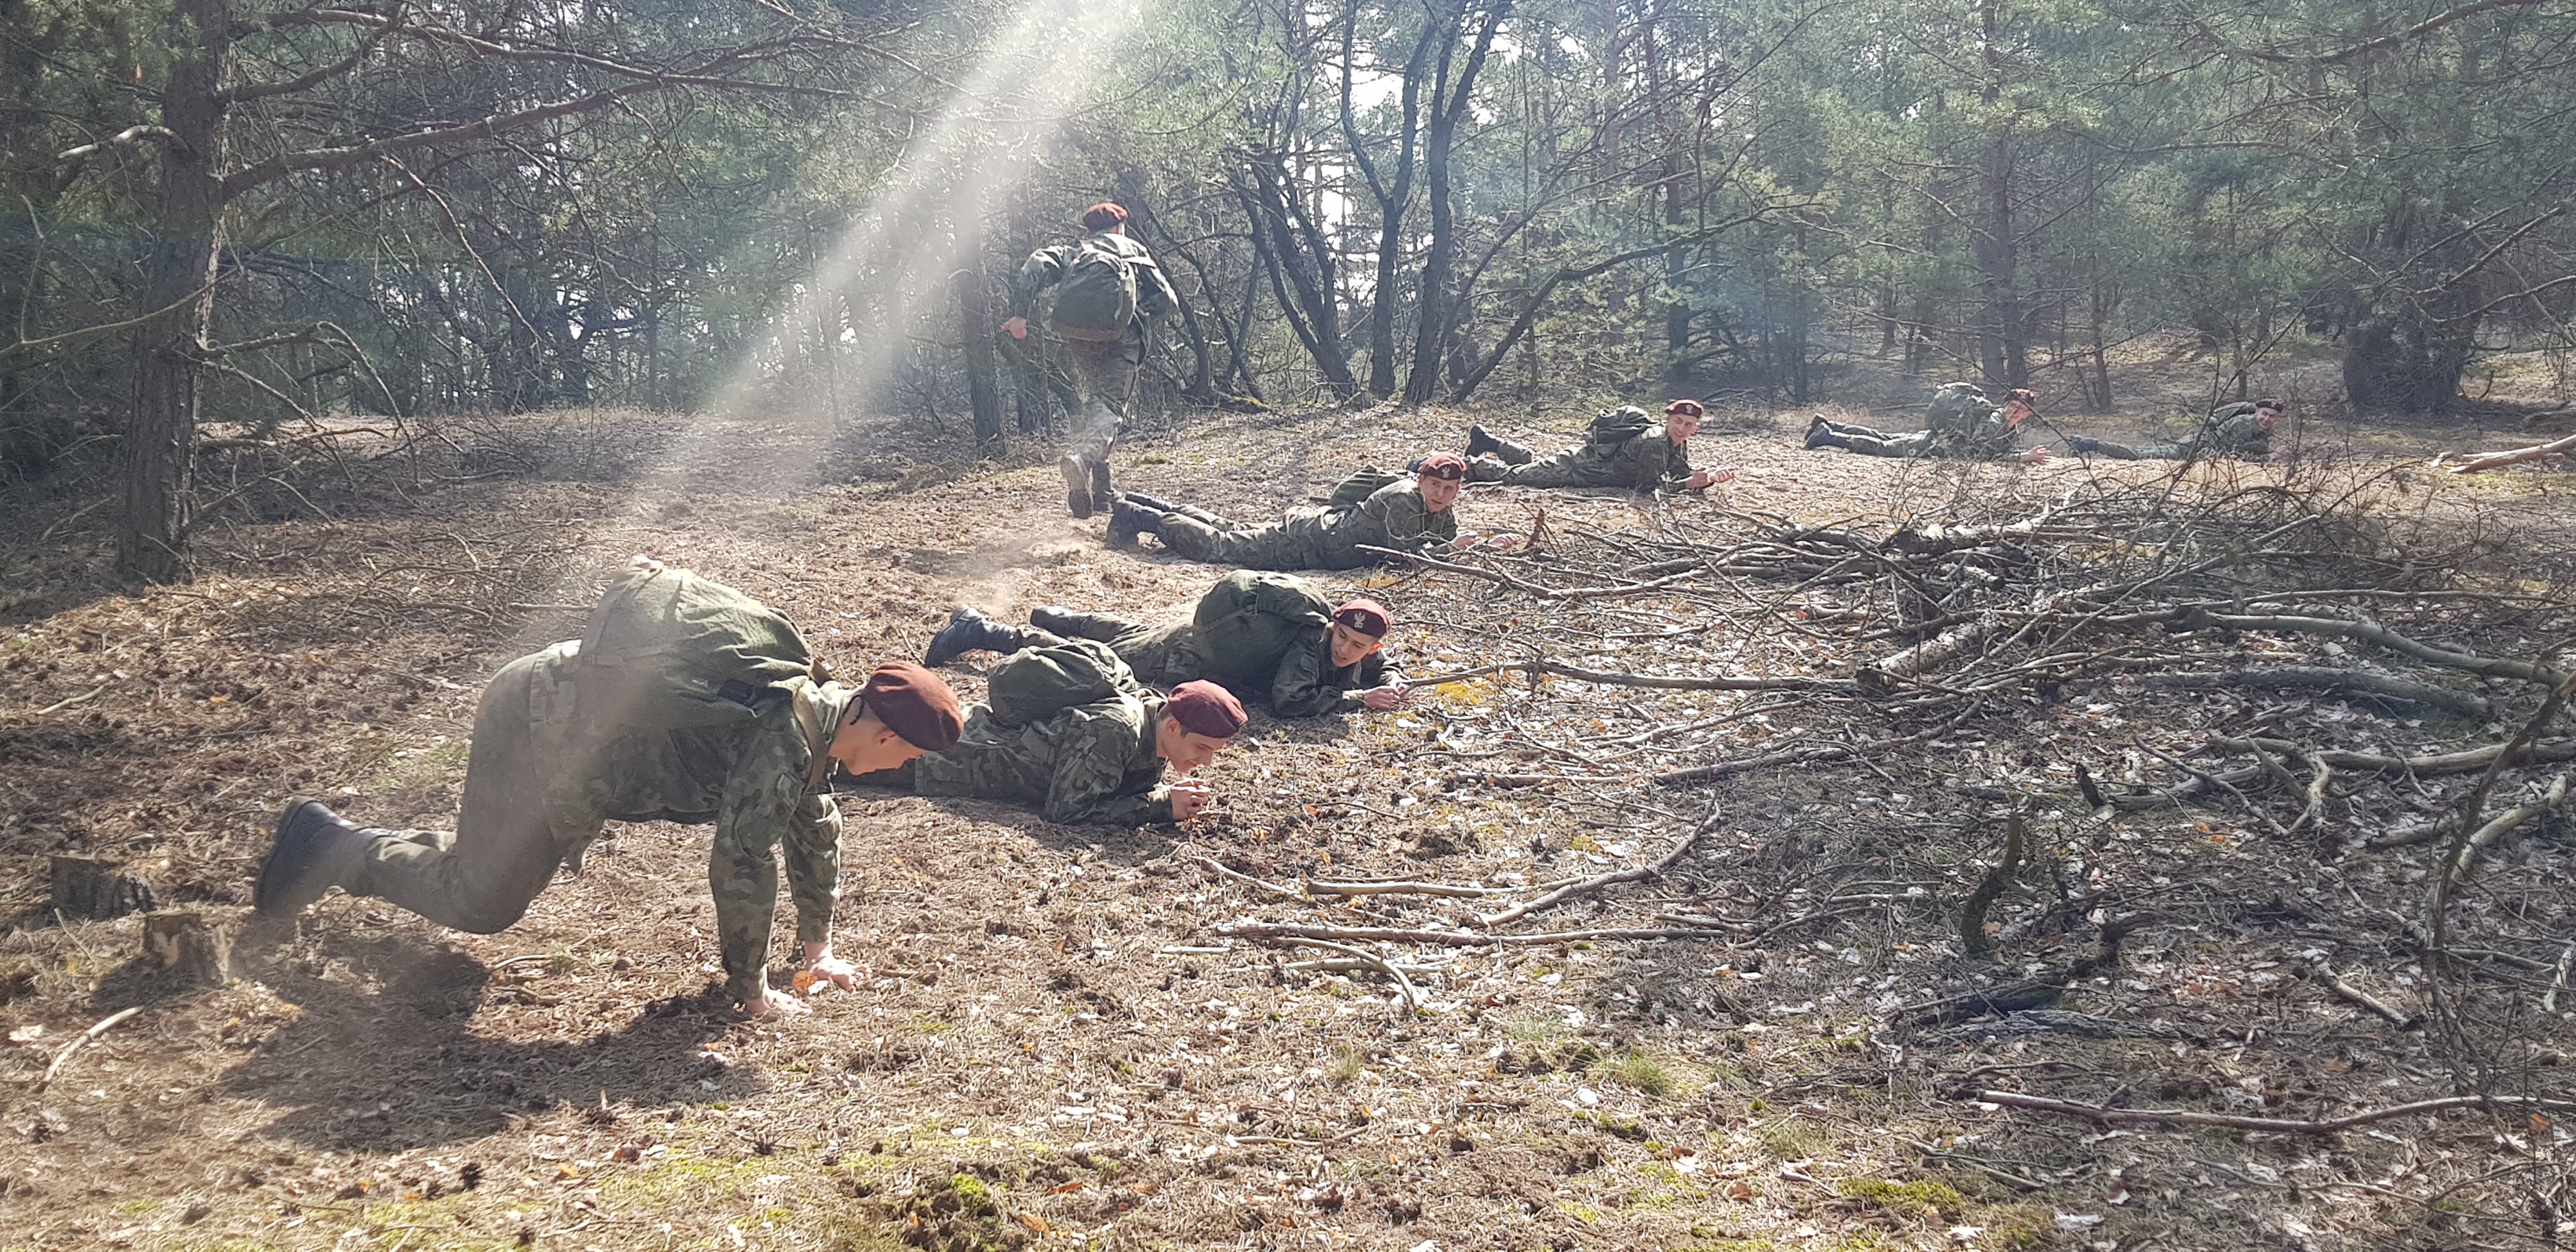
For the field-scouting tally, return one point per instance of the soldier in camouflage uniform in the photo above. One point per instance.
(1104, 359)
(1405, 515)
(1653, 458)
(1336, 664)
(2240, 430)
(1096, 763)
(539, 785)
(1961, 425)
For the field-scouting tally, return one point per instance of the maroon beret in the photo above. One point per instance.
(1443, 465)
(1366, 616)
(1104, 215)
(1686, 408)
(914, 703)
(1203, 708)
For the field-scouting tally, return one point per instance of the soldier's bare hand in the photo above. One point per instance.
(1188, 797)
(1712, 477)
(772, 1005)
(1017, 328)
(2038, 456)
(1387, 697)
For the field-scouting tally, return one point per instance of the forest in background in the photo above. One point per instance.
(273, 213)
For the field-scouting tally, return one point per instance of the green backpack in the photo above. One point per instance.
(1096, 299)
(1957, 406)
(1248, 620)
(1034, 684)
(1613, 430)
(666, 649)
(1360, 486)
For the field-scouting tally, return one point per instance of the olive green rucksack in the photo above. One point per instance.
(1096, 298)
(1615, 428)
(1248, 620)
(1362, 484)
(1957, 407)
(1034, 684)
(666, 649)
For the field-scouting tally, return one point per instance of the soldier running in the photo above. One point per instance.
(1270, 637)
(1099, 761)
(2240, 430)
(1406, 515)
(1622, 448)
(566, 740)
(1108, 288)
(1962, 425)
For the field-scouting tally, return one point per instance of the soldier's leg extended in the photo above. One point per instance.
(1108, 373)
(1880, 443)
(503, 851)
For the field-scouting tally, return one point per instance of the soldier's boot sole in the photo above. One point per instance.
(312, 849)
(1480, 442)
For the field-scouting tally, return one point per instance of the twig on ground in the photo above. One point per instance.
(2325, 976)
(2325, 1126)
(1593, 884)
(1209, 863)
(102, 1026)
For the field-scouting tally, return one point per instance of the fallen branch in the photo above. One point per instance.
(1444, 938)
(1588, 886)
(59, 705)
(2504, 823)
(103, 1025)
(1405, 889)
(2464, 762)
(1972, 919)
(2372, 632)
(2325, 976)
(2281, 1125)
(2484, 461)
(1412, 998)
(2340, 681)
(1209, 863)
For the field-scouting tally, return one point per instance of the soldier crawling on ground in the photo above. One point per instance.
(2240, 430)
(1622, 448)
(1960, 424)
(1267, 637)
(1372, 508)
(1107, 289)
(1067, 730)
(725, 719)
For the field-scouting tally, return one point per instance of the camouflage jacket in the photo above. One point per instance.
(1980, 432)
(1299, 682)
(749, 781)
(1650, 461)
(1155, 299)
(2230, 430)
(1093, 763)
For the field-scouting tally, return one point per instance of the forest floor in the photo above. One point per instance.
(1060, 1045)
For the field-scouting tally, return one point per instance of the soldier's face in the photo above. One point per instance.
(1439, 493)
(865, 746)
(2267, 418)
(1350, 645)
(2015, 412)
(1681, 426)
(1186, 750)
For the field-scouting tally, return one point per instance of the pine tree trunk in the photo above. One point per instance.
(160, 443)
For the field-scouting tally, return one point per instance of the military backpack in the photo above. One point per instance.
(1957, 407)
(1034, 684)
(1250, 619)
(1096, 298)
(1614, 429)
(1357, 488)
(666, 649)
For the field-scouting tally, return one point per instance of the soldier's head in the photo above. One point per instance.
(1106, 216)
(1359, 628)
(1197, 721)
(1440, 477)
(2020, 405)
(1682, 418)
(902, 712)
(2267, 413)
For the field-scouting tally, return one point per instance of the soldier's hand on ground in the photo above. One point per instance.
(2038, 456)
(1711, 477)
(1189, 795)
(772, 1005)
(1392, 695)
(1017, 328)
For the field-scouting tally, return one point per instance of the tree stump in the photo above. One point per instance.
(89, 888)
(189, 944)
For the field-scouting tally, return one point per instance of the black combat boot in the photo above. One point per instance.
(1077, 483)
(313, 849)
(1479, 442)
(1820, 434)
(1127, 520)
(1155, 503)
(1055, 619)
(969, 631)
(1102, 498)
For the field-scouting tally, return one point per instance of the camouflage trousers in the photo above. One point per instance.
(1871, 441)
(1106, 371)
(1518, 465)
(1161, 656)
(504, 850)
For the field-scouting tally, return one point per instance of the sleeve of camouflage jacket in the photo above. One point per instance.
(765, 805)
(1651, 462)
(1156, 300)
(1407, 525)
(1041, 271)
(1304, 685)
(1090, 765)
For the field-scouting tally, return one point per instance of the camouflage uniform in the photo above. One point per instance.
(1300, 682)
(2229, 431)
(1315, 536)
(1979, 433)
(1650, 461)
(1107, 368)
(539, 785)
(1090, 764)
